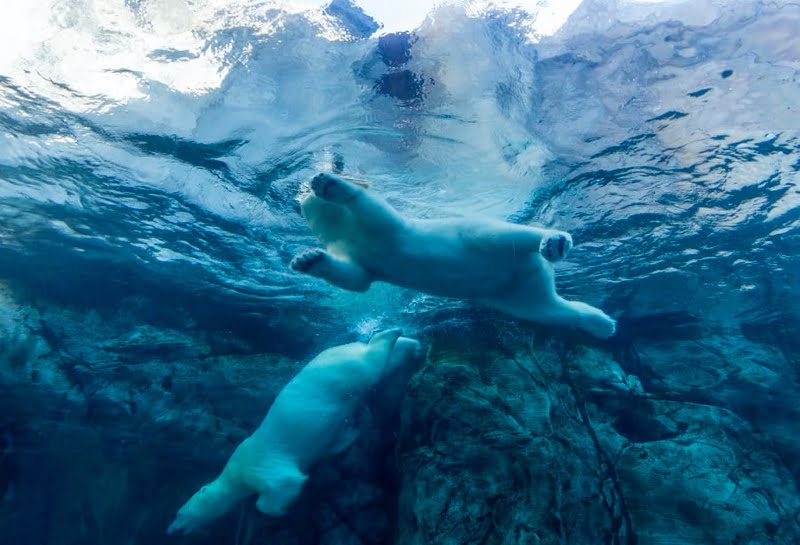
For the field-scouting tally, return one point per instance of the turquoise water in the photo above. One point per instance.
(150, 161)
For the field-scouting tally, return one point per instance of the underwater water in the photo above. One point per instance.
(151, 156)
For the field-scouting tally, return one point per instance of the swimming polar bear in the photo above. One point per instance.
(314, 417)
(501, 265)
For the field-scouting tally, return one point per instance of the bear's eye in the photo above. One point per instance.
(203, 490)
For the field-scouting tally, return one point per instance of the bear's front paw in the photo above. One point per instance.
(555, 246)
(305, 261)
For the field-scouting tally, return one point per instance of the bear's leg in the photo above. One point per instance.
(577, 314)
(367, 207)
(339, 272)
(284, 487)
(524, 239)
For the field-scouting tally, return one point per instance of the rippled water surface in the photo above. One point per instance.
(158, 147)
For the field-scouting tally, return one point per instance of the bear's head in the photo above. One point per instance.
(406, 358)
(210, 502)
(407, 352)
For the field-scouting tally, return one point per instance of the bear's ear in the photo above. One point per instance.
(385, 340)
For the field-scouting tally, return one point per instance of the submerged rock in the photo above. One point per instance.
(494, 450)
(556, 445)
(501, 439)
(115, 424)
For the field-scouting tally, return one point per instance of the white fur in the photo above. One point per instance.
(496, 263)
(311, 419)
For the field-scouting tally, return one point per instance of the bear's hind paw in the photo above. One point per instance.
(555, 246)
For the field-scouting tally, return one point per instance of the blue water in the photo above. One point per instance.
(667, 147)
(150, 158)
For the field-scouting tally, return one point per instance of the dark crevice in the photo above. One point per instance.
(445, 512)
(622, 528)
(346, 522)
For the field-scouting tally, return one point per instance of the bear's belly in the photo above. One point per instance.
(446, 278)
(305, 421)
(438, 265)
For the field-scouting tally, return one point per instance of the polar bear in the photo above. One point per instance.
(498, 264)
(313, 417)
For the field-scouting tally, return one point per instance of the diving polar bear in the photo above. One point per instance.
(311, 419)
(501, 265)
